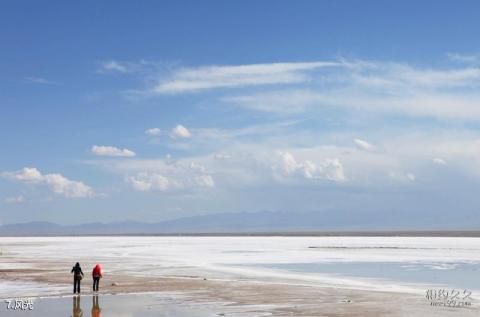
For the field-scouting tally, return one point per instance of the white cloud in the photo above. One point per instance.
(154, 181)
(164, 175)
(220, 156)
(153, 131)
(381, 88)
(101, 150)
(128, 67)
(254, 162)
(463, 58)
(408, 101)
(63, 186)
(358, 85)
(150, 181)
(15, 200)
(204, 181)
(294, 101)
(439, 161)
(114, 66)
(330, 169)
(180, 132)
(364, 145)
(402, 177)
(58, 183)
(27, 175)
(210, 77)
(40, 80)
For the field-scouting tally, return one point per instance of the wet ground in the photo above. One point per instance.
(144, 305)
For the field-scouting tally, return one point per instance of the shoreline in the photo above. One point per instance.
(281, 299)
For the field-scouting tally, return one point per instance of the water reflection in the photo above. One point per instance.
(77, 309)
(96, 310)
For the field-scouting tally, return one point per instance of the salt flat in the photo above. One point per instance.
(214, 264)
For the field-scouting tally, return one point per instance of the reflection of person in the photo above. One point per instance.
(96, 310)
(96, 274)
(77, 277)
(77, 311)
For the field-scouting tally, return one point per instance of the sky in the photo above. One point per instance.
(156, 110)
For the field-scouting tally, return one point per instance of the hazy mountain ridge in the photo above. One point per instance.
(262, 221)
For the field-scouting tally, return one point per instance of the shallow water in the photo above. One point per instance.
(145, 305)
(459, 275)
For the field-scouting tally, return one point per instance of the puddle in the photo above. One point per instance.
(144, 305)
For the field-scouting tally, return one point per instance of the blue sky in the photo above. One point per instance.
(156, 110)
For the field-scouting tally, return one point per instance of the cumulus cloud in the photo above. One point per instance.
(153, 181)
(58, 183)
(330, 169)
(165, 175)
(27, 175)
(15, 200)
(210, 77)
(248, 162)
(102, 150)
(153, 131)
(180, 132)
(364, 145)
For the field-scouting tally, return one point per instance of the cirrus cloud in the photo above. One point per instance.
(210, 77)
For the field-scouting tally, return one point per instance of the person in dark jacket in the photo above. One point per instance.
(77, 277)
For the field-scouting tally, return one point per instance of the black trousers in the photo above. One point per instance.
(76, 285)
(96, 280)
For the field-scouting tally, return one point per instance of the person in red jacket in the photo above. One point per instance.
(96, 274)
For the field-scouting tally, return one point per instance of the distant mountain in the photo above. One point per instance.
(256, 222)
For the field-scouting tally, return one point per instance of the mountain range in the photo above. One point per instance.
(257, 222)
